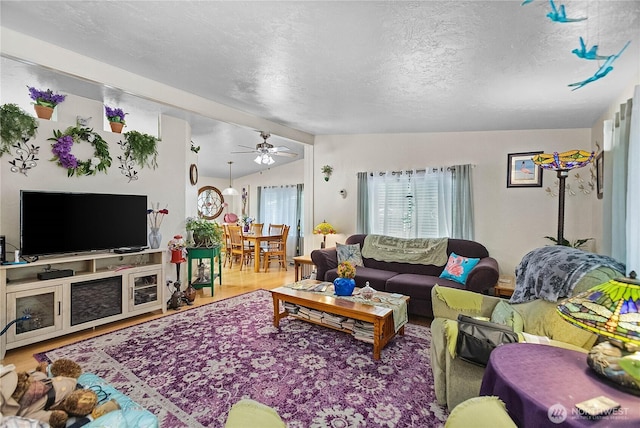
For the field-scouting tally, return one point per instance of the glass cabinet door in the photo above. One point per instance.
(43, 306)
(144, 289)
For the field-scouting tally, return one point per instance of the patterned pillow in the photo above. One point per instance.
(458, 268)
(349, 253)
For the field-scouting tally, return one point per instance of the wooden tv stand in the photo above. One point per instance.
(105, 287)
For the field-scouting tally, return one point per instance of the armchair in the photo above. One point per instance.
(456, 380)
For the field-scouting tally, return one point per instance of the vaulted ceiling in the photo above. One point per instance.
(344, 67)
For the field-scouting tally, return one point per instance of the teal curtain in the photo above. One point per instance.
(362, 220)
(462, 203)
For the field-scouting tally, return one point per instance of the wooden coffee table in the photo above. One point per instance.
(380, 317)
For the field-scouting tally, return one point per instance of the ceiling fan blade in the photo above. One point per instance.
(247, 147)
(251, 152)
(289, 155)
(280, 149)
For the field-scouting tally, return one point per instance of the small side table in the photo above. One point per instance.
(504, 287)
(298, 261)
(197, 255)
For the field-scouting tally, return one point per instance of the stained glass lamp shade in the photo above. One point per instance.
(324, 229)
(611, 310)
(563, 163)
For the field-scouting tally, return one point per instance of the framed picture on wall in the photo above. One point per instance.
(522, 172)
(600, 175)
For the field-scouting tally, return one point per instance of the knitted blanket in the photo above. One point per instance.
(552, 272)
(426, 251)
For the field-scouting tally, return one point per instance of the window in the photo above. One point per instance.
(283, 205)
(419, 204)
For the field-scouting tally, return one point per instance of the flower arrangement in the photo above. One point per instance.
(346, 270)
(114, 114)
(156, 215)
(45, 98)
(246, 220)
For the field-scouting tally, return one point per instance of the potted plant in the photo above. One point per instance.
(16, 127)
(45, 101)
(203, 233)
(115, 116)
(327, 170)
(141, 148)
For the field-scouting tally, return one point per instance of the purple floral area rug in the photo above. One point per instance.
(189, 368)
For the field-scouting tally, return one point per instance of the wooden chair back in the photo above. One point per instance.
(278, 250)
(256, 228)
(275, 229)
(238, 245)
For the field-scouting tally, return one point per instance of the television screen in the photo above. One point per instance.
(58, 222)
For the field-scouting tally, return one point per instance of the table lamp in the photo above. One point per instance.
(611, 310)
(324, 229)
(563, 163)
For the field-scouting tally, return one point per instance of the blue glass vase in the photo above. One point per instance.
(344, 286)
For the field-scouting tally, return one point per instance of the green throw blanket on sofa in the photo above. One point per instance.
(426, 251)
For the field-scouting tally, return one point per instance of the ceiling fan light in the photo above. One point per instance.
(258, 159)
(270, 160)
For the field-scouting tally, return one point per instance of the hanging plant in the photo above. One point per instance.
(327, 170)
(16, 127)
(142, 148)
(64, 141)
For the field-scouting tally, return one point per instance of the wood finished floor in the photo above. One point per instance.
(234, 283)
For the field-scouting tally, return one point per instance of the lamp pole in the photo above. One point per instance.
(562, 176)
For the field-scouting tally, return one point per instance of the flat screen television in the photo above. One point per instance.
(59, 222)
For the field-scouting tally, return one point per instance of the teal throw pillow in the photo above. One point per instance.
(458, 268)
(349, 253)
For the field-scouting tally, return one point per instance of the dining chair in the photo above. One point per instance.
(256, 228)
(276, 229)
(277, 251)
(227, 243)
(239, 246)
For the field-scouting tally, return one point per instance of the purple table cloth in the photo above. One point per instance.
(541, 385)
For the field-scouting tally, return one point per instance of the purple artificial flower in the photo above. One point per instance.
(62, 150)
(114, 114)
(45, 98)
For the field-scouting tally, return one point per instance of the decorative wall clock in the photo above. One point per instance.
(210, 202)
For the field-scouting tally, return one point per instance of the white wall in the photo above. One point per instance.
(167, 185)
(509, 221)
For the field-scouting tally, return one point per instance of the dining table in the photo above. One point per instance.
(257, 239)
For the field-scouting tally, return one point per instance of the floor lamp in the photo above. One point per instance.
(562, 163)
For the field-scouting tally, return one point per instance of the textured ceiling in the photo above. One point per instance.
(343, 67)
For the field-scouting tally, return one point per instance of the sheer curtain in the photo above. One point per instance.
(434, 202)
(282, 205)
(625, 204)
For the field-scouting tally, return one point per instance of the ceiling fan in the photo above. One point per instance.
(266, 150)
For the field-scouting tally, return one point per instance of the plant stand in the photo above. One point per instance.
(197, 255)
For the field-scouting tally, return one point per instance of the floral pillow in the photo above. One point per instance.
(458, 268)
(349, 253)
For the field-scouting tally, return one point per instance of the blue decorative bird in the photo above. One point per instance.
(602, 71)
(526, 2)
(561, 15)
(590, 54)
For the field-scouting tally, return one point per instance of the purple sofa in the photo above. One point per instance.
(414, 280)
